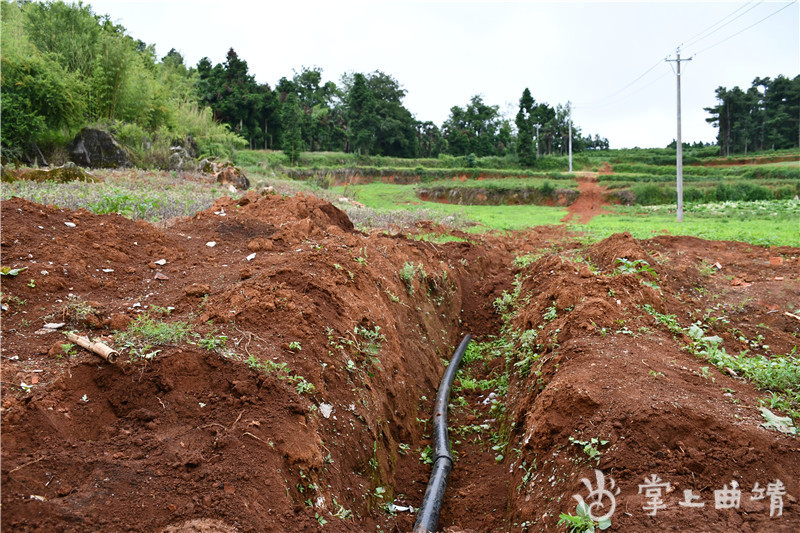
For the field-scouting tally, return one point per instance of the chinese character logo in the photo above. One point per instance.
(599, 499)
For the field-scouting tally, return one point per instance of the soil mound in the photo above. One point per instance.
(278, 367)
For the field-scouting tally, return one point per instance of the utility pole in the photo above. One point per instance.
(569, 123)
(537, 139)
(679, 158)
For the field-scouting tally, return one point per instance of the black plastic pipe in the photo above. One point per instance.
(428, 516)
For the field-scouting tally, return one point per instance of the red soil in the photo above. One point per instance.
(197, 440)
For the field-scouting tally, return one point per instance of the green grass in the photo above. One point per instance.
(382, 196)
(152, 195)
(767, 223)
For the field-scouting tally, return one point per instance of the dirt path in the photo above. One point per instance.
(590, 203)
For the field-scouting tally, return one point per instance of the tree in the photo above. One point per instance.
(292, 140)
(766, 116)
(525, 128)
(473, 129)
(237, 99)
(361, 118)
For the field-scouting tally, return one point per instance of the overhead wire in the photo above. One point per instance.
(694, 40)
(697, 38)
(744, 29)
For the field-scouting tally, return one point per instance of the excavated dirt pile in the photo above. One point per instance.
(616, 391)
(278, 367)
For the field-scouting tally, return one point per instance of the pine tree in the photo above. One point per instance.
(525, 129)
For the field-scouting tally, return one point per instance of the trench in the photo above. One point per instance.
(235, 435)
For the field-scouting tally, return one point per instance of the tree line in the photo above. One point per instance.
(64, 67)
(764, 117)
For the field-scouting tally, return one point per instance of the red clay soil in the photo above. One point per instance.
(590, 202)
(200, 437)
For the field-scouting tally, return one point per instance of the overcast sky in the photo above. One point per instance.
(442, 53)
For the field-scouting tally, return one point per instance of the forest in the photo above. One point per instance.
(65, 67)
(765, 117)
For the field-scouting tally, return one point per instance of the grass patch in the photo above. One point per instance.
(764, 223)
(153, 196)
(145, 333)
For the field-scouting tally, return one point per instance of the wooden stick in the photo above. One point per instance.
(98, 348)
(791, 315)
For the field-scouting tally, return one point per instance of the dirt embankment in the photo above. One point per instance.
(206, 437)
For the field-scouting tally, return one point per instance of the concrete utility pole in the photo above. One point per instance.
(679, 158)
(537, 139)
(569, 122)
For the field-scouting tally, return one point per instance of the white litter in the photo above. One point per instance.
(211, 244)
(69, 224)
(161, 262)
(251, 256)
(326, 409)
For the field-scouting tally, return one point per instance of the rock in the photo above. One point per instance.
(95, 148)
(231, 175)
(187, 144)
(182, 154)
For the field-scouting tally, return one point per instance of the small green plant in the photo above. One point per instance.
(581, 521)
(69, 349)
(76, 309)
(590, 447)
(656, 375)
(144, 333)
(407, 274)
(282, 372)
(639, 266)
(550, 313)
(32, 283)
(8, 271)
(426, 455)
(295, 346)
(213, 343)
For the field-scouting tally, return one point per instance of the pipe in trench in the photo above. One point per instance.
(428, 516)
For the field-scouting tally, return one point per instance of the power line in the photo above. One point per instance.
(599, 102)
(744, 29)
(694, 40)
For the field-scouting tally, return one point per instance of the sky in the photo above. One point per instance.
(606, 58)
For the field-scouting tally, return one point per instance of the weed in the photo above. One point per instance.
(75, 309)
(8, 271)
(32, 283)
(426, 455)
(656, 375)
(295, 346)
(582, 522)
(550, 313)
(590, 447)
(407, 276)
(639, 266)
(282, 372)
(145, 333)
(707, 269)
(213, 343)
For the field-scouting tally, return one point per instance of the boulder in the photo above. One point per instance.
(231, 175)
(95, 148)
(182, 154)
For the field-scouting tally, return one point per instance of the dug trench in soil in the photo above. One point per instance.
(298, 398)
(283, 407)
